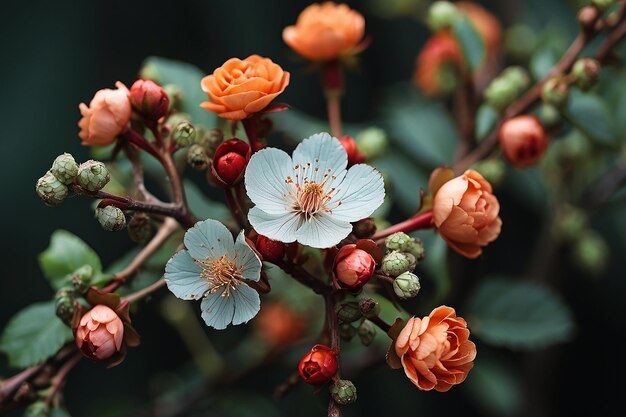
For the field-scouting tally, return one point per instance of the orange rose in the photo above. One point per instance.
(106, 117)
(435, 351)
(242, 87)
(466, 213)
(437, 64)
(326, 31)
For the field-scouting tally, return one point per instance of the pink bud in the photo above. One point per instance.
(318, 365)
(149, 99)
(270, 250)
(354, 155)
(100, 333)
(353, 267)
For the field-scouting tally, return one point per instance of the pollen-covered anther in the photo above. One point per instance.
(221, 272)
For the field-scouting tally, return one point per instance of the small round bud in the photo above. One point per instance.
(549, 116)
(343, 392)
(364, 228)
(100, 333)
(184, 134)
(347, 331)
(569, 224)
(149, 99)
(442, 15)
(64, 304)
(520, 41)
(406, 285)
(396, 263)
(587, 17)
(354, 155)
(111, 218)
(518, 76)
(372, 142)
(197, 158)
(50, 190)
(602, 5)
(369, 307)
(270, 250)
(398, 241)
(416, 248)
(523, 140)
(92, 175)
(586, 72)
(505, 88)
(230, 161)
(37, 409)
(353, 267)
(65, 168)
(318, 365)
(81, 278)
(140, 228)
(230, 166)
(348, 312)
(555, 92)
(591, 252)
(211, 140)
(367, 332)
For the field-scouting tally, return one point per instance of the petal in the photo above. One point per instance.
(360, 193)
(324, 153)
(266, 180)
(448, 195)
(247, 259)
(323, 231)
(217, 311)
(281, 227)
(247, 303)
(208, 239)
(182, 276)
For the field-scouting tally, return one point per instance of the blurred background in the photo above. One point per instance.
(57, 54)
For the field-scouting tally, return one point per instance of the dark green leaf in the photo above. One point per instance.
(404, 179)
(486, 119)
(542, 62)
(471, 42)
(592, 116)
(494, 385)
(187, 77)
(203, 207)
(518, 314)
(66, 253)
(33, 335)
(59, 412)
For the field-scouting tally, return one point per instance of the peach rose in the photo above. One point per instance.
(100, 333)
(106, 117)
(437, 63)
(242, 87)
(466, 213)
(436, 351)
(326, 31)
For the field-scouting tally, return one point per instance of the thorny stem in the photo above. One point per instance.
(421, 221)
(144, 291)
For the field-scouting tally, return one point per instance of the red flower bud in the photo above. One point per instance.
(230, 160)
(523, 140)
(149, 99)
(100, 333)
(270, 250)
(319, 365)
(353, 267)
(354, 155)
(279, 325)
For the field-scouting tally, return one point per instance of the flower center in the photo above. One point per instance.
(220, 273)
(309, 193)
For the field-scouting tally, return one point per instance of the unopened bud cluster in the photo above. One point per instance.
(404, 253)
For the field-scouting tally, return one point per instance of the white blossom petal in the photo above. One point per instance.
(323, 231)
(182, 276)
(326, 156)
(247, 259)
(208, 238)
(360, 194)
(265, 180)
(281, 227)
(247, 303)
(218, 311)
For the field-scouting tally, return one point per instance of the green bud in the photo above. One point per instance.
(65, 168)
(602, 5)
(441, 15)
(369, 307)
(569, 224)
(347, 331)
(555, 92)
(348, 311)
(175, 94)
(518, 76)
(64, 304)
(367, 332)
(395, 263)
(505, 88)
(406, 285)
(92, 175)
(37, 409)
(586, 72)
(520, 41)
(549, 115)
(398, 241)
(343, 392)
(111, 218)
(591, 252)
(150, 72)
(184, 134)
(198, 158)
(372, 142)
(81, 278)
(212, 140)
(416, 248)
(140, 228)
(51, 190)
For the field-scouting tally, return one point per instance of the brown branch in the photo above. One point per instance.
(421, 221)
(144, 291)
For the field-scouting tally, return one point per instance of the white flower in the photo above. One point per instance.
(310, 198)
(214, 268)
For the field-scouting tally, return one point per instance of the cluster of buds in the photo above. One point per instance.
(506, 87)
(403, 255)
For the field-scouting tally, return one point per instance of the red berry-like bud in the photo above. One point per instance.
(353, 267)
(523, 140)
(230, 160)
(354, 155)
(318, 366)
(149, 99)
(270, 250)
(100, 333)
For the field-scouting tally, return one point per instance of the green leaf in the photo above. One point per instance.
(518, 314)
(542, 62)
(590, 114)
(59, 412)
(66, 253)
(486, 119)
(406, 180)
(203, 207)
(495, 386)
(187, 77)
(33, 335)
(471, 42)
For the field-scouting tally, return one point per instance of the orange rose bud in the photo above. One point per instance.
(278, 325)
(149, 99)
(327, 31)
(523, 140)
(436, 351)
(354, 155)
(106, 117)
(270, 250)
(353, 267)
(466, 213)
(319, 365)
(230, 160)
(437, 63)
(240, 88)
(100, 333)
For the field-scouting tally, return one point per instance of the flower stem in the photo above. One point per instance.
(235, 208)
(422, 221)
(144, 291)
(59, 379)
(333, 330)
(250, 126)
(332, 80)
